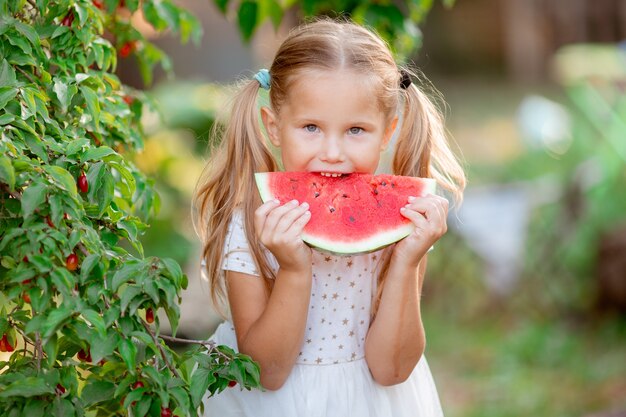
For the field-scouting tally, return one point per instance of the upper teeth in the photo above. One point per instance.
(331, 174)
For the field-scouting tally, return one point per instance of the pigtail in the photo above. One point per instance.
(237, 151)
(422, 150)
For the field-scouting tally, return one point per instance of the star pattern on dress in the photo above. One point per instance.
(337, 321)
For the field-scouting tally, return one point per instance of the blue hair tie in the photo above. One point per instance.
(264, 78)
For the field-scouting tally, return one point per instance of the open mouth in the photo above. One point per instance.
(332, 174)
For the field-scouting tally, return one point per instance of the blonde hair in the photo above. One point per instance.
(240, 148)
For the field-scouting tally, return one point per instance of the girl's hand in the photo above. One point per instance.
(280, 229)
(429, 215)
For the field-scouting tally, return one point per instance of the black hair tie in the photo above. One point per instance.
(405, 79)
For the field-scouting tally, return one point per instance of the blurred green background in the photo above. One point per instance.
(525, 300)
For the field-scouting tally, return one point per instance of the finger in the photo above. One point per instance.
(275, 216)
(297, 226)
(261, 213)
(417, 218)
(432, 207)
(287, 220)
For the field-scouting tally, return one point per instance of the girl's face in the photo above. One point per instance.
(330, 123)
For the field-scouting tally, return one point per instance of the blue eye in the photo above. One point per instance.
(355, 130)
(310, 128)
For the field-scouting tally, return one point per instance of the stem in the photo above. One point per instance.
(206, 343)
(27, 75)
(156, 342)
(11, 193)
(38, 351)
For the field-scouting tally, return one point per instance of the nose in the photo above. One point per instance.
(332, 150)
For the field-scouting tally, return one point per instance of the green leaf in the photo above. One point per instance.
(200, 381)
(174, 269)
(97, 391)
(26, 387)
(128, 351)
(128, 295)
(97, 153)
(29, 32)
(63, 280)
(64, 93)
(102, 347)
(34, 408)
(63, 407)
(88, 263)
(32, 198)
(143, 405)
(247, 18)
(63, 179)
(7, 173)
(7, 94)
(105, 192)
(93, 104)
(55, 319)
(125, 274)
(7, 74)
(222, 5)
(96, 320)
(75, 146)
(51, 347)
(173, 314)
(7, 118)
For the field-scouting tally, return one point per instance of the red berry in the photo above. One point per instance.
(84, 356)
(150, 315)
(166, 412)
(71, 262)
(60, 389)
(26, 281)
(68, 19)
(127, 48)
(26, 297)
(49, 221)
(5, 345)
(138, 384)
(232, 384)
(25, 259)
(98, 4)
(128, 100)
(83, 184)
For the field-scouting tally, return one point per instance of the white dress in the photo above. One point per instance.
(330, 377)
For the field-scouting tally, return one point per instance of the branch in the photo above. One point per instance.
(11, 193)
(27, 75)
(212, 347)
(39, 350)
(156, 342)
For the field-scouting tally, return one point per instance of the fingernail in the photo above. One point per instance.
(411, 199)
(294, 202)
(305, 205)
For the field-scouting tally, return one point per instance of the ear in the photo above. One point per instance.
(271, 125)
(389, 133)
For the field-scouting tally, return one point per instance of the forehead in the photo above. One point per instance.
(324, 92)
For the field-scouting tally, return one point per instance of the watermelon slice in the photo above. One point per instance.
(355, 213)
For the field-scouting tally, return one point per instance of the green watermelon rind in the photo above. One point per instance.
(375, 242)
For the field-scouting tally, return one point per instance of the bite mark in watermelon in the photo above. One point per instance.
(355, 213)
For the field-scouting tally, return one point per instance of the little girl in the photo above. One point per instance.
(333, 335)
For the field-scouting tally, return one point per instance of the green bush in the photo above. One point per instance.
(77, 297)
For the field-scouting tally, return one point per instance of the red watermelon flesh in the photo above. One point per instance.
(354, 213)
